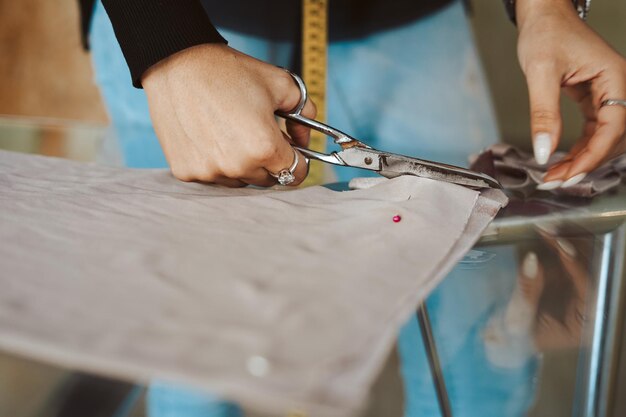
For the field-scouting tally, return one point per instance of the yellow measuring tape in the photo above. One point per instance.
(314, 58)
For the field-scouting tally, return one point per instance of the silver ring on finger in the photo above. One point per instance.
(613, 102)
(287, 176)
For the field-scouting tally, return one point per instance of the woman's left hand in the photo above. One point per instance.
(557, 50)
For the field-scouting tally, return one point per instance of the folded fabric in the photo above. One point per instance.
(517, 171)
(279, 300)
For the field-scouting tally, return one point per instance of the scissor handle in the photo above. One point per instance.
(338, 136)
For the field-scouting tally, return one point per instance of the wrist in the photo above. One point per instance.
(528, 10)
(183, 59)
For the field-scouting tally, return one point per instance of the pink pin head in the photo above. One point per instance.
(397, 218)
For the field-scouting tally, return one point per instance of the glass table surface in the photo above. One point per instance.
(575, 304)
(558, 331)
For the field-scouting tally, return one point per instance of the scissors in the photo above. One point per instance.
(357, 154)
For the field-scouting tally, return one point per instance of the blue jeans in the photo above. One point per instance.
(418, 90)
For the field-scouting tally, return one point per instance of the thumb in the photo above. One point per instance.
(544, 89)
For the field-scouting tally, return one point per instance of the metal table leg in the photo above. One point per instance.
(603, 352)
(433, 360)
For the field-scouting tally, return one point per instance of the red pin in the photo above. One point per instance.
(397, 218)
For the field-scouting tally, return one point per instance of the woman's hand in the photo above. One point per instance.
(557, 50)
(213, 112)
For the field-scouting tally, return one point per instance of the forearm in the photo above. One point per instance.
(151, 30)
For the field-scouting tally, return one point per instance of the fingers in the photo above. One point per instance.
(204, 174)
(275, 153)
(253, 167)
(288, 96)
(604, 132)
(559, 170)
(220, 127)
(267, 157)
(228, 182)
(284, 158)
(268, 153)
(554, 176)
(544, 86)
(300, 134)
(606, 143)
(605, 128)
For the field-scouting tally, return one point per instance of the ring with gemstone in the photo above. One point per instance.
(613, 102)
(286, 175)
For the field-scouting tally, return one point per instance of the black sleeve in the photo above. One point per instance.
(151, 30)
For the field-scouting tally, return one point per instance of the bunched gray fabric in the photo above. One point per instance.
(517, 171)
(279, 300)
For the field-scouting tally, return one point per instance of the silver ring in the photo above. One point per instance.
(613, 102)
(286, 175)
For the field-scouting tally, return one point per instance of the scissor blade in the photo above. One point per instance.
(393, 165)
(331, 158)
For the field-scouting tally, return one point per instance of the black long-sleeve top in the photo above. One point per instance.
(151, 30)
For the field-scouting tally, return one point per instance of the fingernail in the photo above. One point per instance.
(574, 180)
(550, 185)
(530, 265)
(567, 247)
(542, 145)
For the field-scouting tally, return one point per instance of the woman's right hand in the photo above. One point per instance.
(213, 107)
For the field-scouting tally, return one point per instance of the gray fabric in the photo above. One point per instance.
(279, 300)
(517, 171)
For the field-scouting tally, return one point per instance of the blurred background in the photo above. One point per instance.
(44, 72)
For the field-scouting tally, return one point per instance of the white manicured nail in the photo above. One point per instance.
(530, 265)
(550, 185)
(574, 180)
(542, 145)
(567, 247)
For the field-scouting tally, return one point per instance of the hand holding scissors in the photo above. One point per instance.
(357, 154)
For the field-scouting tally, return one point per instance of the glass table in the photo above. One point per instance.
(569, 321)
(571, 318)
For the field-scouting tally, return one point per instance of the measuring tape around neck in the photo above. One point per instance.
(314, 65)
